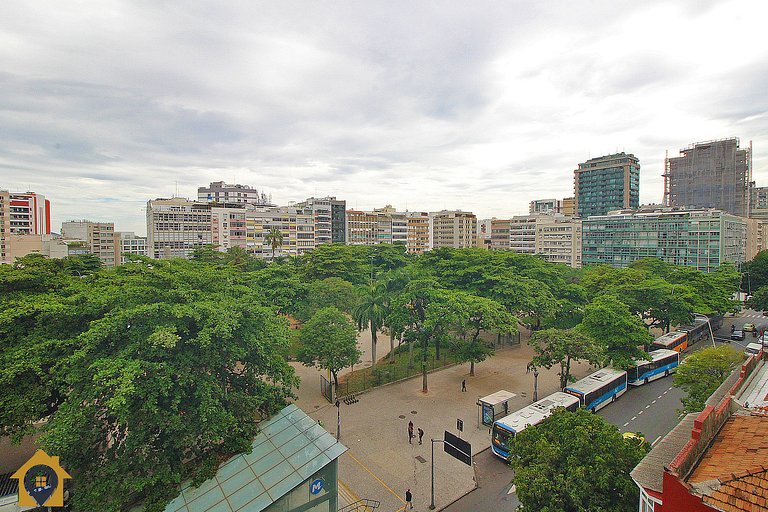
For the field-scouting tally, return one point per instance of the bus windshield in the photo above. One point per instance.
(501, 437)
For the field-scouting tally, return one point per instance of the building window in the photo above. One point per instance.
(646, 503)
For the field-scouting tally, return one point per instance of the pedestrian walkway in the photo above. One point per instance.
(380, 463)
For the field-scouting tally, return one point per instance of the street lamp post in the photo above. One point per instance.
(709, 324)
(432, 503)
(535, 385)
(338, 420)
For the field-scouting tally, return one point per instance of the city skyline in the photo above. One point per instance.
(482, 107)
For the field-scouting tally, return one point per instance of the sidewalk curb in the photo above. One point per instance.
(476, 487)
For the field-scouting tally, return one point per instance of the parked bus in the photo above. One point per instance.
(698, 331)
(507, 427)
(675, 340)
(662, 363)
(599, 389)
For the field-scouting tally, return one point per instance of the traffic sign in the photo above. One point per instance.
(458, 448)
(459, 425)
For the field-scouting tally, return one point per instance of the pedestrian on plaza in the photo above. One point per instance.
(421, 434)
(410, 431)
(408, 499)
(463, 385)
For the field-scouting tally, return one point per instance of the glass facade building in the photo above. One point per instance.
(607, 183)
(701, 239)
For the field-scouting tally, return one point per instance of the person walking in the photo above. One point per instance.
(410, 431)
(463, 385)
(421, 434)
(408, 499)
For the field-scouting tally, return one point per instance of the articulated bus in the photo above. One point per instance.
(662, 363)
(675, 340)
(507, 427)
(599, 389)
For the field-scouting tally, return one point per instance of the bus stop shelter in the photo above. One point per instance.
(493, 406)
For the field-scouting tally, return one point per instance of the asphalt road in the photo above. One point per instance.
(651, 409)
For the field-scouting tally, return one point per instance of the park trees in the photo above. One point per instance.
(700, 374)
(146, 373)
(472, 315)
(370, 312)
(561, 347)
(274, 238)
(575, 461)
(609, 321)
(329, 341)
(331, 292)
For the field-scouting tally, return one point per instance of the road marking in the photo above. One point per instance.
(658, 397)
(347, 493)
(396, 495)
(641, 412)
(648, 406)
(670, 388)
(633, 418)
(664, 393)
(656, 441)
(654, 401)
(624, 425)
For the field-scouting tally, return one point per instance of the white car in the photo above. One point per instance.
(753, 349)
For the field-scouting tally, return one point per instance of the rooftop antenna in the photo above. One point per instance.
(177, 189)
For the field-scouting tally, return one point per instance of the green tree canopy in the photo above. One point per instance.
(147, 373)
(574, 462)
(562, 347)
(331, 292)
(700, 374)
(473, 315)
(329, 341)
(621, 333)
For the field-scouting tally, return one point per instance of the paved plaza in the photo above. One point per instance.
(380, 463)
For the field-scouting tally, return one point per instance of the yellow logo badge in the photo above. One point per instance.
(41, 481)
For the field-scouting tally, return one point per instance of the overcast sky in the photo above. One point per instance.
(472, 105)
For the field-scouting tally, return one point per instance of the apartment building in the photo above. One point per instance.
(544, 206)
(25, 221)
(176, 226)
(758, 204)
(714, 174)
(362, 227)
(558, 239)
(554, 236)
(500, 231)
(228, 226)
(294, 223)
(330, 218)
(98, 238)
(568, 207)
(701, 239)
(130, 243)
(756, 240)
(606, 183)
(232, 194)
(380, 226)
(455, 229)
(419, 237)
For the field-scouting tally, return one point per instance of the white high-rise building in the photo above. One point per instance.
(224, 193)
(455, 229)
(176, 226)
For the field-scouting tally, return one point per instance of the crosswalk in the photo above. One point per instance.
(753, 315)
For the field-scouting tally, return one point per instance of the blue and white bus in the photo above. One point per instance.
(507, 427)
(662, 363)
(599, 389)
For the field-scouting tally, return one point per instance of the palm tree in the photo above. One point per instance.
(274, 238)
(371, 313)
(394, 283)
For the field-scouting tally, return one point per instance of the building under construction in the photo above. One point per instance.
(715, 174)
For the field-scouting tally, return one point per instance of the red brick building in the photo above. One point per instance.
(715, 460)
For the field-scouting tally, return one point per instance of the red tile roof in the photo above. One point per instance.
(741, 444)
(743, 492)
